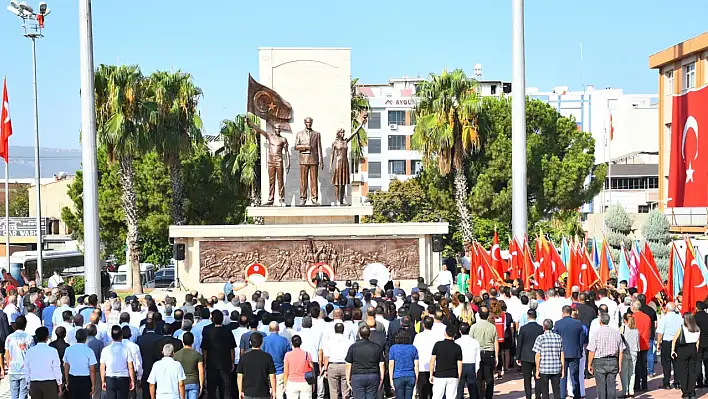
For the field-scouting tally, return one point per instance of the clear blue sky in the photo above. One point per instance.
(389, 38)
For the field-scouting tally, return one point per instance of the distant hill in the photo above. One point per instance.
(52, 161)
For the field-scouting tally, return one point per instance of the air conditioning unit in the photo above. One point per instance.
(393, 126)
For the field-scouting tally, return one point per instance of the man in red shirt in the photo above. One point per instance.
(644, 326)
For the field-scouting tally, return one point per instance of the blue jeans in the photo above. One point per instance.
(468, 379)
(191, 391)
(18, 386)
(365, 386)
(651, 357)
(404, 387)
(572, 369)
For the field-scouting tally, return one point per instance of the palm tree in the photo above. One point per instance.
(122, 112)
(446, 131)
(359, 105)
(176, 128)
(241, 152)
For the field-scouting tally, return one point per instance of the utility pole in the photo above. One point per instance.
(518, 122)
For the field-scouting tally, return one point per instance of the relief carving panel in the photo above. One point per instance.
(288, 260)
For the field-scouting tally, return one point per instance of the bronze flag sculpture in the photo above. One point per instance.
(265, 103)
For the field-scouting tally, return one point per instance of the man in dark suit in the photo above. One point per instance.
(416, 311)
(574, 337)
(149, 344)
(526, 356)
(321, 278)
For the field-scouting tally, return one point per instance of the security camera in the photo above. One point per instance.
(13, 10)
(43, 9)
(26, 7)
(13, 4)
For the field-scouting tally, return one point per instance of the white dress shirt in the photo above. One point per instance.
(424, 343)
(349, 331)
(57, 315)
(134, 331)
(42, 364)
(383, 321)
(33, 323)
(470, 350)
(116, 357)
(70, 332)
(166, 374)
(311, 342)
(137, 358)
(611, 309)
(237, 333)
(80, 358)
(336, 347)
(54, 281)
(439, 330)
(445, 277)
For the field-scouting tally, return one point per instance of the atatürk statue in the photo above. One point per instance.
(277, 146)
(309, 144)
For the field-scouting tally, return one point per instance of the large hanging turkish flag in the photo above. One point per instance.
(688, 171)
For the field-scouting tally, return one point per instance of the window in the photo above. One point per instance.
(397, 167)
(374, 189)
(689, 77)
(412, 113)
(397, 118)
(417, 167)
(643, 209)
(374, 145)
(374, 121)
(633, 183)
(669, 89)
(396, 142)
(493, 89)
(653, 182)
(375, 169)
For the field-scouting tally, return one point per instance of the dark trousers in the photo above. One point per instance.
(485, 376)
(640, 372)
(365, 386)
(555, 380)
(606, 370)
(404, 387)
(701, 361)
(79, 387)
(234, 383)
(572, 371)
(468, 379)
(424, 387)
(117, 387)
(44, 389)
(144, 384)
(528, 369)
(667, 363)
(221, 380)
(686, 360)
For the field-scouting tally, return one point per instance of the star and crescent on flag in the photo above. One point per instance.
(267, 104)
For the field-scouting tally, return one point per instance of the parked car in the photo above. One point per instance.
(164, 277)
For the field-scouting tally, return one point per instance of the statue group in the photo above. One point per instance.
(308, 143)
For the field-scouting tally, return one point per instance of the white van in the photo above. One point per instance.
(123, 278)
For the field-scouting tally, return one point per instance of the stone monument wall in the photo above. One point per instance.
(315, 81)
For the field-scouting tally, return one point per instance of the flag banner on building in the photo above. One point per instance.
(5, 123)
(688, 169)
(675, 275)
(265, 103)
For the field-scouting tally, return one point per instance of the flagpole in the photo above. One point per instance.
(609, 162)
(7, 213)
(36, 161)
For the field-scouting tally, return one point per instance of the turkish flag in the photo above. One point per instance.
(5, 123)
(688, 170)
(498, 263)
(573, 271)
(478, 273)
(694, 284)
(544, 271)
(648, 282)
(528, 267)
(557, 266)
(515, 251)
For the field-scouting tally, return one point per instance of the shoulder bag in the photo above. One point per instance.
(310, 376)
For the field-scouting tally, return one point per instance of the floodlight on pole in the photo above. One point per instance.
(34, 25)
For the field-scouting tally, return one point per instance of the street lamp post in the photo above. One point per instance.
(33, 23)
(518, 122)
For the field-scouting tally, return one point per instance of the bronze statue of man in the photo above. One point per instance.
(308, 142)
(277, 146)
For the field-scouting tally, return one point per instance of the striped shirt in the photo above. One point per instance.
(550, 346)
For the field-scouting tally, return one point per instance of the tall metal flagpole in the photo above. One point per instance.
(518, 122)
(36, 160)
(7, 213)
(92, 259)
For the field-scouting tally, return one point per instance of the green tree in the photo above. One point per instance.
(19, 202)
(359, 105)
(619, 225)
(241, 154)
(123, 109)
(446, 131)
(656, 231)
(174, 128)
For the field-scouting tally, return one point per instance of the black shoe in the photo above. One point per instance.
(666, 387)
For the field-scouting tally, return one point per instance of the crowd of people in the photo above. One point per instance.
(346, 341)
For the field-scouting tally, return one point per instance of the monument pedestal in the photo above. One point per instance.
(309, 214)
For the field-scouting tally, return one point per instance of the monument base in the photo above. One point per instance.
(287, 251)
(313, 214)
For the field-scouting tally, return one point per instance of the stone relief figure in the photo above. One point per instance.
(309, 143)
(339, 162)
(277, 146)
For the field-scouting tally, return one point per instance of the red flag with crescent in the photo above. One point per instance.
(256, 270)
(498, 264)
(695, 287)
(517, 256)
(688, 170)
(5, 123)
(648, 282)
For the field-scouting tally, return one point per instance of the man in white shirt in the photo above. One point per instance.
(381, 319)
(117, 372)
(552, 307)
(33, 321)
(55, 280)
(337, 317)
(43, 368)
(125, 322)
(595, 324)
(312, 344)
(611, 306)
(80, 367)
(237, 333)
(445, 277)
(335, 351)
(470, 361)
(134, 351)
(424, 342)
(438, 326)
(68, 324)
(167, 376)
(58, 317)
(11, 309)
(513, 304)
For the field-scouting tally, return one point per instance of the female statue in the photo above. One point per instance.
(339, 161)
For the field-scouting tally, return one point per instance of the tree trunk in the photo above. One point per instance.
(177, 205)
(461, 203)
(131, 219)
